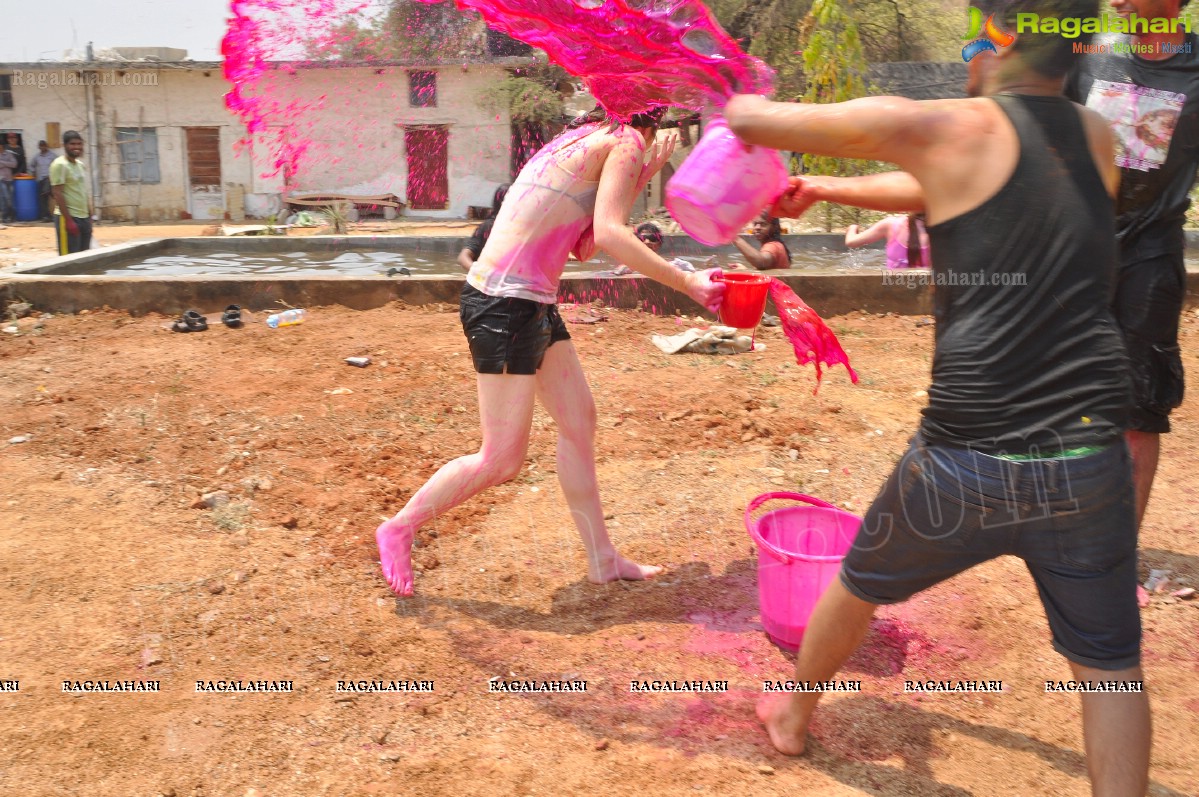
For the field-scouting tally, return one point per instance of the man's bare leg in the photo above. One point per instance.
(1118, 733)
(1145, 448)
(838, 625)
(563, 390)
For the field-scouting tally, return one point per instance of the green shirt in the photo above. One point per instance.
(73, 180)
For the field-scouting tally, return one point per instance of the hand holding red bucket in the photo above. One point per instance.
(744, 298)
(800, 549)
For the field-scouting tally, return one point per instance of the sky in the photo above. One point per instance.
(35, 32)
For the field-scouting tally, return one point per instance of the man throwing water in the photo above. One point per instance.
(1021, 449)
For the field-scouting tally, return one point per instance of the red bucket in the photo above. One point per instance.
(744, 299)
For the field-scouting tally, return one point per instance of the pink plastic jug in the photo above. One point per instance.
(800, 549)
(723, 185)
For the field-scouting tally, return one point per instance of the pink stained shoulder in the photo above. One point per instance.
(811, 338)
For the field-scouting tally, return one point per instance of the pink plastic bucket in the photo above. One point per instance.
(723, 185)
(800, 549)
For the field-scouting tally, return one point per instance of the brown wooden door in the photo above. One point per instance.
(203, 156)
(428, 167)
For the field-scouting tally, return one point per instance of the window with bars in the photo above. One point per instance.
(5, 91)
(422, 89)
(139, 154)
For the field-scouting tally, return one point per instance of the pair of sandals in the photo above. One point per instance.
(192, 321)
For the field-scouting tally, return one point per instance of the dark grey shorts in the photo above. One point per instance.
(1147, 305)
(945, 509)
(508, 335)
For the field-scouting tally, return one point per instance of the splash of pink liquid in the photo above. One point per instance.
(633, 54)
(811, 338)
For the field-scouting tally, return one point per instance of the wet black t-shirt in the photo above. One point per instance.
(1154, 110)
(479, 237)
(1028, 357)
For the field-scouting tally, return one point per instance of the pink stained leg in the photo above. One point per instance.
(563, 391)
(506, 414)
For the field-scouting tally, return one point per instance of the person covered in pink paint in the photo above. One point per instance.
(575, 194)
(907, 240)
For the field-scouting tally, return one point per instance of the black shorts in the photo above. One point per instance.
(1148, 303)
(946, 509)
(508, 335)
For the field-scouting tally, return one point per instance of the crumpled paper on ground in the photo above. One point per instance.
(713, 340)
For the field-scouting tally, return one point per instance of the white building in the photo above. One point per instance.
(161, 145)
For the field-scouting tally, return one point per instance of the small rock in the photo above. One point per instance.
(602, 744)
(21, 438)
(1186, 593)
(150, 657)
(344, 699)
(252, 792)
(214, 499)
(378, 737)
(765, 769)
(290, 522)
(214, 587)
(20, 309)
(389, 756)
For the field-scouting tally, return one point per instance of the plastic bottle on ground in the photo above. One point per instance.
(286, 319)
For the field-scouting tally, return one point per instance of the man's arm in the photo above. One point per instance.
(873, 128)
(890, 192)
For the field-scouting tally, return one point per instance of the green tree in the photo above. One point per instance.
(835, 66)
(410, 32)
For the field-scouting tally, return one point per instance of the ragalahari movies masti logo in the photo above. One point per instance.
(983, 35)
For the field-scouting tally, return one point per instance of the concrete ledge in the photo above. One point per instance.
(829, 294)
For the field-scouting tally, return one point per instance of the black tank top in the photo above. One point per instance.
(1028, 357)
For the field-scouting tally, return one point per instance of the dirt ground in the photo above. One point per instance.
(112, 568)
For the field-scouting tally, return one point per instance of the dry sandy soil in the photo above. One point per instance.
(108, 570)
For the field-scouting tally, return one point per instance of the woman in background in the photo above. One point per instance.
(773, 253)
(907, 241)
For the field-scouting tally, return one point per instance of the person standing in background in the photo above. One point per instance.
(72, 200)
(8, 165)
(13, 142)
(1148, 91)
(41, 172)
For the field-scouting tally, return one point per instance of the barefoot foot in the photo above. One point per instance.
(786, 729)
(395, 555)
(619, 569)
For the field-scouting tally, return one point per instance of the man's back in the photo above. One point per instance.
(1028, 356)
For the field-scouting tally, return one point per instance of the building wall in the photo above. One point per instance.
(354, 121)
(351, 120)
